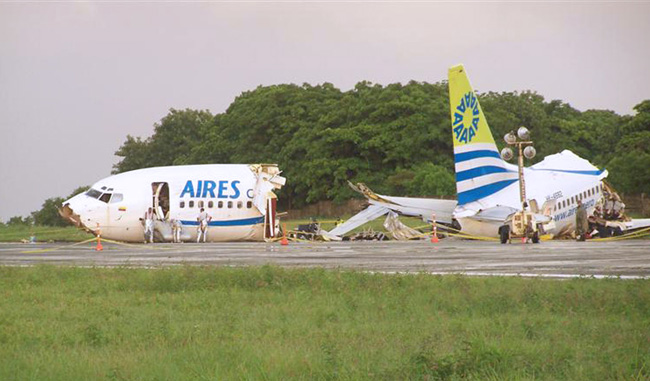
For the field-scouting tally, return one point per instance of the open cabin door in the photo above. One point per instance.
(160, 202)
(270, 218)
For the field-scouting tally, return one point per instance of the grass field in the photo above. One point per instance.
(272, 323)
(42, 233)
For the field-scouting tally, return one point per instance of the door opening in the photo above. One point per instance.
(160, 202)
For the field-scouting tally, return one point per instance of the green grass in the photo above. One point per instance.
(273, 323)
(43, 233)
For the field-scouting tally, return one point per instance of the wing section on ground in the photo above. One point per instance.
(370, 213)
(496, 213)
(638, 223)
(423, 208)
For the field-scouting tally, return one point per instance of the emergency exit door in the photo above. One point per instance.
(160, 200)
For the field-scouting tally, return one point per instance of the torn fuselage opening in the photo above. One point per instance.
(69, 215)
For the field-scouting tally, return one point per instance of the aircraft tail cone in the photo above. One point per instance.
(284, 241)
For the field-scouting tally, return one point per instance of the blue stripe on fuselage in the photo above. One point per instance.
(484, 191)
(479, 171)
(460, 157)
(243, 222)
(592, 173)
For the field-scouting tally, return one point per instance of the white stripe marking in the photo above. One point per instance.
(476, 182)
(479, 162)
(475, 147)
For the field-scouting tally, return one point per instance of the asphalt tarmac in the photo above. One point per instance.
(558, 259)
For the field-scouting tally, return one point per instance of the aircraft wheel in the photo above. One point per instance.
(536, 237)
(504, 233)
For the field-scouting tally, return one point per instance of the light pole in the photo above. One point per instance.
(521, 140)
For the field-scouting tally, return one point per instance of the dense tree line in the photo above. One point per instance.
(395, 138)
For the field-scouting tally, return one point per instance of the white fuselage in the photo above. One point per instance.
(117, 204)
(556, 193)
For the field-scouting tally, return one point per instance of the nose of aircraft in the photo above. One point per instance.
(71, 209)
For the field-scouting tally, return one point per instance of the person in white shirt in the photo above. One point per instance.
(177, 229)
(148, 225)
(203, 220)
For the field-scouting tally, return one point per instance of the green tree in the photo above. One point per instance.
(171, 144)
(630, 166)
(20, 221)
(394, 138)
(49, 213)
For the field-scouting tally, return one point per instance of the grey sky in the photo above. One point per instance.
(76, 78)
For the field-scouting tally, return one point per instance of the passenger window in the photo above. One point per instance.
(240, 204)
(229, 204)
(200, 204)
(106, 197)
(117, 197)
(220, 204)
(191, 204)
(210, 204)
(249, 204)
(182, 205)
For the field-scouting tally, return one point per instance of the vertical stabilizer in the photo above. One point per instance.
(480, 171)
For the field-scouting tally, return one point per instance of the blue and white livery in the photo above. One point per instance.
(239, 199)
(488, 187)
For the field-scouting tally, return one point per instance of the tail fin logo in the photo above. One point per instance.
(466, 118)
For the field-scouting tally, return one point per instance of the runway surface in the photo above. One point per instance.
(627, 259)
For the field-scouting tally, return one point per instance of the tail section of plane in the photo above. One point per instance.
(480, 171)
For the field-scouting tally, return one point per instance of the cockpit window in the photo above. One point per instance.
(117, 197)
(94, 193)
(105, 197)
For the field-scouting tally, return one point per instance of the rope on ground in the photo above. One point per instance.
(58, 247)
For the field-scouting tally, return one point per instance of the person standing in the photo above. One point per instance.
(177, 229)
(204, 220)
(582, 223)
(148, 225)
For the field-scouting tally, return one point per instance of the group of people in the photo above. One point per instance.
(597, 223)
(177, 226)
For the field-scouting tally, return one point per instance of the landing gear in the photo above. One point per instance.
(504, 233)
(535, 237)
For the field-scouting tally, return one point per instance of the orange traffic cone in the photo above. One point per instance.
(434, 235)
(99, 246)
(284, 241)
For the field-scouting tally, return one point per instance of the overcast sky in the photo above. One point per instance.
(76, 78)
